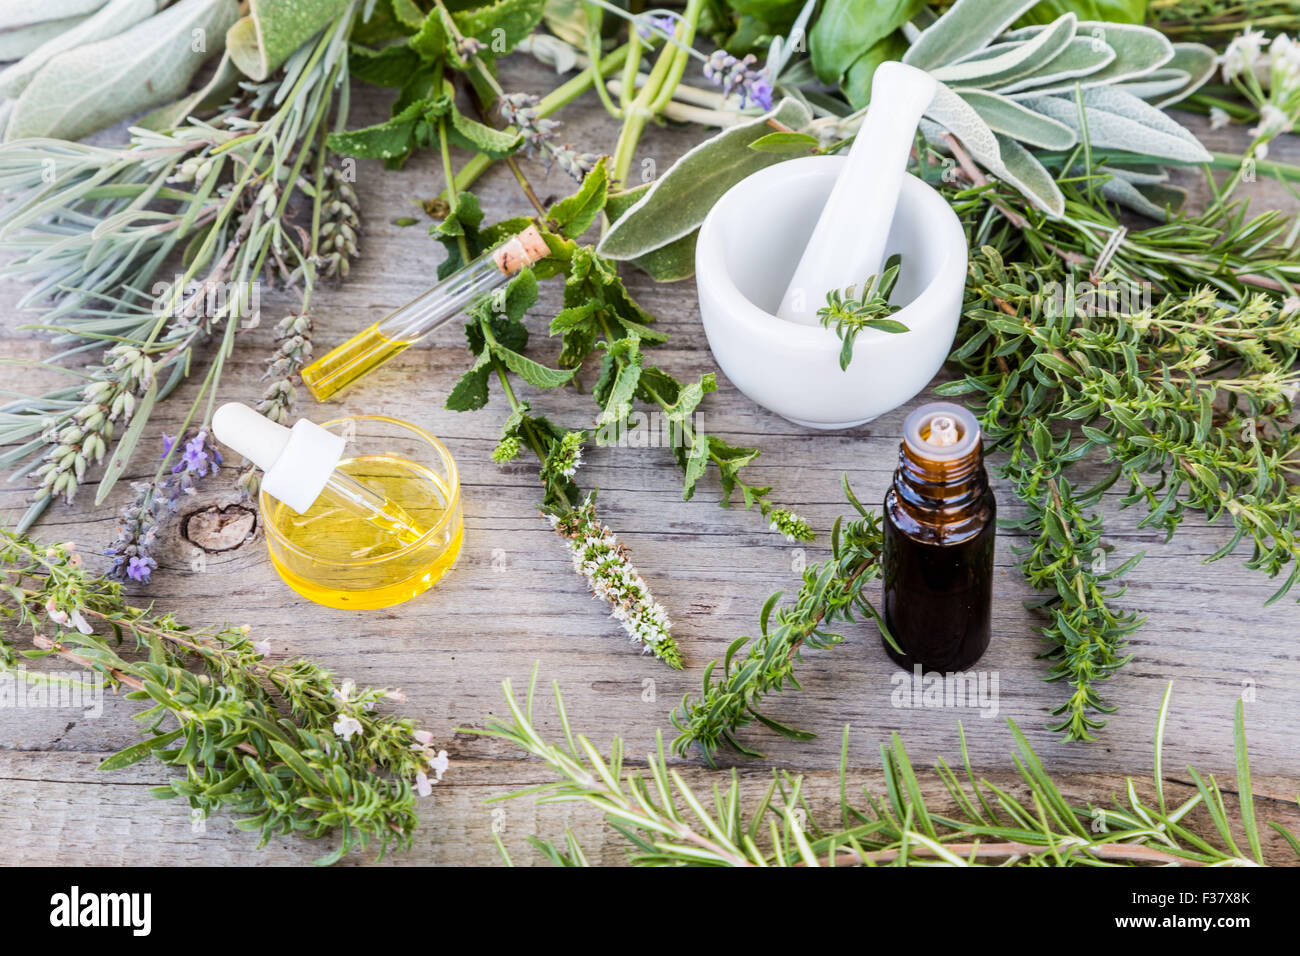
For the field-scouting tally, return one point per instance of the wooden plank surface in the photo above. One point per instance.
(513, 600)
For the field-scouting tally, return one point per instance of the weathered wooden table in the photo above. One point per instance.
(513, 599)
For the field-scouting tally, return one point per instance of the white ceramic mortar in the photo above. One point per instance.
(747, 251)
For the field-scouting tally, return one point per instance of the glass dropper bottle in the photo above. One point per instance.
(940, 522)
(299, 466)
(398, 330)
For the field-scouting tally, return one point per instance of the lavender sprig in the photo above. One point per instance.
(154, 502)
(604, 562)
(520, 111)
(740, 76)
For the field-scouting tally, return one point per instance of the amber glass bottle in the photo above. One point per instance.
(938, 555)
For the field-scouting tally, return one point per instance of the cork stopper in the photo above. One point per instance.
(520, 250)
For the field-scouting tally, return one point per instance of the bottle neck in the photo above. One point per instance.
(945, 496)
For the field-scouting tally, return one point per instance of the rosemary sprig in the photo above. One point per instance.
(832, 592)
(281, 745)
(665, 823)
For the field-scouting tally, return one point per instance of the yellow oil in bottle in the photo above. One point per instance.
(334, 557)
(346, 363)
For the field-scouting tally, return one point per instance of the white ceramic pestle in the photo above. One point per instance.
(848, 243)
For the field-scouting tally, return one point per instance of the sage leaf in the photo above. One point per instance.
(1198, 61)
(969, 25)
(1018, 121)
(1080, 57)
(671, 263)
(1138, 50)
(17, 42)
(1152, 200)
(1157, 83)
(999, 154)
(110, 20)
(1007, 62)
(1119, 120)
(21, 13)
(88, 88)
(675, 204)
(273, 29)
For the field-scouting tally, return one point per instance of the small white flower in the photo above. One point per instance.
(80, 623)
(1243, 53)
(345, 693)
(52, 611)
(422, 784)
(1219, 118)
(439, 764)
(1272, 122)
(346, 726)
(262, 647)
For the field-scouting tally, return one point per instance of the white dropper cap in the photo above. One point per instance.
(847, 246)
(297, 462)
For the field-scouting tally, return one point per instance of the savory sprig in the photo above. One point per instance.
(850, 314)
(665, 823)
(281, 745)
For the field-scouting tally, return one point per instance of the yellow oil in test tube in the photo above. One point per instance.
(397, 331)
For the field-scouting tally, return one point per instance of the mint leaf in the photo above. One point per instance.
(620, 371)
(388, 140)
(473, 135)
(534, 373)
(471, 392)
(391, 66)
(574, 214)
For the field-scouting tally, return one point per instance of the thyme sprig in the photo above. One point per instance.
(1184, 389)
(665, 823)
(283, 746)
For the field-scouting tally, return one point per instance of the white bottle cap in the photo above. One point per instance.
(297, 461)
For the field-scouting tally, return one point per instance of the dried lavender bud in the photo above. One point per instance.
(739, 76)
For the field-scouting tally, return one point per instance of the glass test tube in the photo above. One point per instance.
(398, 330)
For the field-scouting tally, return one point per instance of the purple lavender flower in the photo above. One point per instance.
(143, 518)
(664, 24)
(140, 521)
(740, 76)
(199, 457)
(139, 568)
